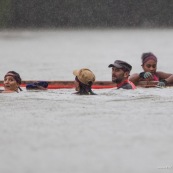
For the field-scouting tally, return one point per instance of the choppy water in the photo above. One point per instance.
(57, 131)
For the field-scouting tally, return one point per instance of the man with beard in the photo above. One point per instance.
(120, 74)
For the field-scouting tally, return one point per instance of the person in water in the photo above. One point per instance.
(39, 85)
(12, 81)
(83, 81)
(120, 73)
(150, 73)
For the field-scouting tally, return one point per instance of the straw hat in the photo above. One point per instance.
(84, 75)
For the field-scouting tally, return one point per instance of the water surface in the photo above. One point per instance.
(57, 131)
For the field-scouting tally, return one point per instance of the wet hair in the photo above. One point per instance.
(84, 89)
(16, 76)
(148, 56)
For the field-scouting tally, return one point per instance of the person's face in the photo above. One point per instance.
(118, 75)
(10, 83)
(150, 66)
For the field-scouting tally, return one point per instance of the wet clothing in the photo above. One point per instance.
(40, 85)
(126, 85)
(155, 78)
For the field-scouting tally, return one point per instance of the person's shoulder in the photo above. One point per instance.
(134, 75)
(163, 75)
(126, 86)
(134, 78)
(162, 72)
(159, 72)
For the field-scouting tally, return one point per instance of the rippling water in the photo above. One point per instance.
(57, 131)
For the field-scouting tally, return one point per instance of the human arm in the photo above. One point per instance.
(143, 75)
(134, 78)
(164, 78)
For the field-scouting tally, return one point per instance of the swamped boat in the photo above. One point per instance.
(96, 85)
(68, 84)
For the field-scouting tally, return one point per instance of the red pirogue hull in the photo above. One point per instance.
(96, 85)
(69, 84)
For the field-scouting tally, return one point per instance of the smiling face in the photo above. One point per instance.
(150, 66)
(10, 84)
(118, 75)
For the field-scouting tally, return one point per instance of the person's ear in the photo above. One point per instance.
(126, 74)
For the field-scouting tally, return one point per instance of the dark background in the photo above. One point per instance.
(85, 13)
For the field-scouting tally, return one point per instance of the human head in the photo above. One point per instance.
(121, 65)
(149, 62)
(84, 78)
(120, 71)
(12, 81)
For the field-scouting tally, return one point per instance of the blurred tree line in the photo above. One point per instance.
(86, 13)
(5, 7)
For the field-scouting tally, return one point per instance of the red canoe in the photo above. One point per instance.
(96, 85)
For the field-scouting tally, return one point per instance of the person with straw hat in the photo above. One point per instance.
(83, 81)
